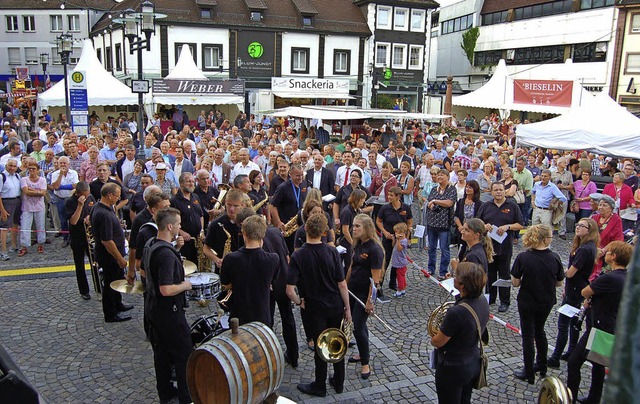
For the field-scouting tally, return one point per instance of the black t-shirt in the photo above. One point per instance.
(301, 234)
(216, 237)
(390, 216)
(347, 214)
(274, 242)
(165, 269)
(276, 181)
(460, 326)
(289, 199)
(137, 203)
(106, 227)
(476, 254)
(205, 198)
(76, 231)
(316, 269)
(366, 256)
(190, 212)
(145, 233)
(342, 197)
(141, 218)
(251, 273)
(507, 213)
(605, 302)
(95, 187)
(539, 271)
(583, 259)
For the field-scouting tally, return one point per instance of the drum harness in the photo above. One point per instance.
(150, 247)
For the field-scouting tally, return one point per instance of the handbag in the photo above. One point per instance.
(484, 361)
(629, 214)
(519, 196)
(574, 206)
(600, 346)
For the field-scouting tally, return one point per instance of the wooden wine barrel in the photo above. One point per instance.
(242, 365)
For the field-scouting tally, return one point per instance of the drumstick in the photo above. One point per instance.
(220, 314)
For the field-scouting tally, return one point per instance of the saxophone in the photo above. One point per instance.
(204, 263)
(227, 244)
(291, 226)
(262, 202)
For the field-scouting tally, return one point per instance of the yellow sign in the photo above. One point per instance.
(77, 77)
(20, 84)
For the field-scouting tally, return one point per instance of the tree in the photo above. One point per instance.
(469, 40)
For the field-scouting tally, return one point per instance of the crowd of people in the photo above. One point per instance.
(268, 201)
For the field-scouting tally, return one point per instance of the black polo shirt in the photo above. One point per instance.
(76, 231)
(216, 237)
(605, 302)
(583, 259)
(137, 202)
(507, 213)
(477, 255)
(106, 227)
(205, 198)
(190, 212)
(366, 256)
(347, 214)
(274, 242)
(390, 216)
(316, 269)
(460, 326)
(141, 218)
(95, 187)
(276, 181)
(342, 198)
(539, 271)
(144, 234)
(301, 236)
(165, 269)
(258, 196)
(251, 273)
(287, 201)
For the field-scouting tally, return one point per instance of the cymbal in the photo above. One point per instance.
(189, 267)
(122, 286)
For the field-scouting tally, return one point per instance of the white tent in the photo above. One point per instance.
(580, 130)
(102, 87)
(498, 92)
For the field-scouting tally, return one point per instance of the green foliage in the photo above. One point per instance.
(385, 101)
(469, 40)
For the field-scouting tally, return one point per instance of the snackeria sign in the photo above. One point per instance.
(552, 93)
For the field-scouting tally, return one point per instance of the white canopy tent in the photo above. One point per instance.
(347, 112)
(498, 92)
(579, 130)
(102, 87)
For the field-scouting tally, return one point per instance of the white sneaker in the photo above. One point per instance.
(400, 293)
(4, 257)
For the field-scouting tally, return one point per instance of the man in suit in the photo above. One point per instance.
(169, 159)
(181, 164)
(344, 171)
(221, 171)
(320, 177)
(399, 158)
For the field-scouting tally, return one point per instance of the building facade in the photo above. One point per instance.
(626, 67)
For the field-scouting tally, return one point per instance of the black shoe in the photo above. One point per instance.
(587, 400)
(58, 235)
(86, 296)
(503, 307)
(125, 307)
(365, 376)
(65, 244)
(520, 375)
(565, 356)
(553, 363)
(118, 318)
(563, 237)
(292, 362)
(310, 389)
(173, 394)
(332, 383)
(540, 369)
(354, 360)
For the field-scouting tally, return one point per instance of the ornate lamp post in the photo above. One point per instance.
(64, 47)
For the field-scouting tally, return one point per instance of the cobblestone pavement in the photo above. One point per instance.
(72, 356)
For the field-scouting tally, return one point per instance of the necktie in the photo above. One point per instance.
(346, 177)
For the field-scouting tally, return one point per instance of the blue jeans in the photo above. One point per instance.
(62, 214)
(437, 235)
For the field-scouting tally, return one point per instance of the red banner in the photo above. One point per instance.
(551, 93)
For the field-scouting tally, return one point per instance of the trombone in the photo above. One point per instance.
(374, 314)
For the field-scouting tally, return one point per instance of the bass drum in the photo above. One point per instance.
(202, 330)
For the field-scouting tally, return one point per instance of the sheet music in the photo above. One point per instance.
(494, 234)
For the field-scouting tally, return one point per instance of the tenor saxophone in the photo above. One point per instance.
(262, 202)
(227, 243)
(291, 226)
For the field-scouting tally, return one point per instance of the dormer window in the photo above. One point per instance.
(307, 21)
(256, 16)
(207, 8)
(205, 13)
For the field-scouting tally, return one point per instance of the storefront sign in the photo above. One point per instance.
(79, 102)
(335, 87)
(543, 92)
(198, 87)
(256, 52)
(22, 73)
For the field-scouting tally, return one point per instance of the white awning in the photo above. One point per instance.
(185, 99)
(286, 94)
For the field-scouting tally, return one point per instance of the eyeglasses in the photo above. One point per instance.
(33, 168)
(583, 226)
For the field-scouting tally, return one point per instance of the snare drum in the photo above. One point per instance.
(202, 330)
(204, 286)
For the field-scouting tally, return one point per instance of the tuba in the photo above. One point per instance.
(332, 343)
(436, 317)
(553, 391)
(291, 226)
(223, 188)
(93, 264)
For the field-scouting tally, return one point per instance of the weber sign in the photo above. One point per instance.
(198, 87)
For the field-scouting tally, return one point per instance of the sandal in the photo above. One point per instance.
(40, 249)
(22, 252)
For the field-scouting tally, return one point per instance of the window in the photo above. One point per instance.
(108, 58)
(382, 54)
(192, 48)
(300, 60)
(12, 23)
(635, 24)
(384, 17)
(74, 57)
(205, 13)
(74, 23)
(56, 23)
(435, 20)
(457, 24)
(399, 56)
(31, 56)
(494, 18)
(28, 23)
(307, 21)
(632, 64)
(589, 4)
(256, 16)
(401, 19)
(14, 56)
(118, 49)
(538, 55)
(415, 57)
(55, 57)
(341, 61)
(590, 52)
(99, 54)
(417, 20)
(487, 58)
(540, 10)
(211, 57)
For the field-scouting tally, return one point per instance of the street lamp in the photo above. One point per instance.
(44, 61)
(64, 47)
(136, 24)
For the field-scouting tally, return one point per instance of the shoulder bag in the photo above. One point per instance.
(519, 195)
(484, 361)
(574, 206)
